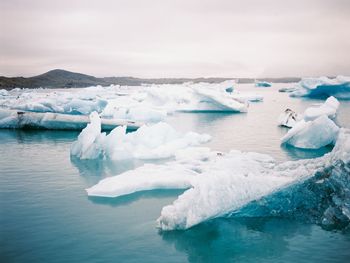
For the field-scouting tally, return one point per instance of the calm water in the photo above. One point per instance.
(45, 215)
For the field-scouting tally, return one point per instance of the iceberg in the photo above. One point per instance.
(88, 145)
(328, 108)
(312, 134)
(158, 141)
(264, 84)
(195, 98)
(133, 109)
(57, 102)
(288, 118)
(219, 184)
(323, 87)
(212, 100)
(140, 103)
(149, 177)
(14, 119)
(322, 199)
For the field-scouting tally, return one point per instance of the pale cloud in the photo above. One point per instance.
(163, 38)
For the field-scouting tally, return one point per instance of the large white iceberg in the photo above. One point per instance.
(156, 141)
(312, 134)
(323, 87)
(218, 183)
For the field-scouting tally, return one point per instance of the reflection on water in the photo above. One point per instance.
(298, 153)
(224, 240)
(254, 240)
(37, 136)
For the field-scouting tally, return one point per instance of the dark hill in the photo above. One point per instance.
(59, 78)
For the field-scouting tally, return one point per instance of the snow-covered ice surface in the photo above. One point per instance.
(328, 108)
(219, 183)
(156, 141)
(323, 87)
(312, 134)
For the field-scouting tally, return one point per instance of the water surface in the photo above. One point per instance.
(46, 216)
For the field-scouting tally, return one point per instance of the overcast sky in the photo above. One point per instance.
(179, 38)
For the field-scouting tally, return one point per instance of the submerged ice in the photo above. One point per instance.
(156, 141)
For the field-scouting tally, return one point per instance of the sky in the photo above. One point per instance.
(178, 38)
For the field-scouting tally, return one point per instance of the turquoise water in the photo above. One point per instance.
(45, 215)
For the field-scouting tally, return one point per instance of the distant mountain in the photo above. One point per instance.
(59, 78)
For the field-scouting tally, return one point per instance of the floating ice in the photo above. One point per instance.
(148, 177)
(213, 100)
(142, 103)
(58, 102)
(55, 121)
(328, 108)
(288, 118)
(150, 142)
(263, 84)
(88, 145)
(323, 87)
(312, 134)
(127, 108)
(196, 98)
(156, 141)
(219, 183)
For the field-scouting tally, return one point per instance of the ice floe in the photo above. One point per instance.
(264, 84)
(17, 119)
(156, 141)
(323, 87)
(218, 183)
(312, 134)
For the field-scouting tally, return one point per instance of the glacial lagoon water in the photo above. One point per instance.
(46, 216)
